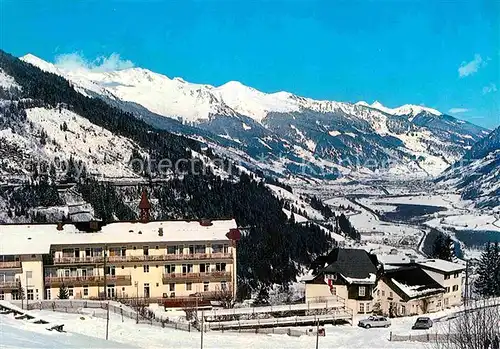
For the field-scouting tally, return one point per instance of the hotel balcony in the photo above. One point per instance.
(10, 265)
(197, 277)
(9, 285)
(117, 280)
(149, 258)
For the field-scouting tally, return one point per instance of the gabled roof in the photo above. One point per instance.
(352, 264)
(412, 282)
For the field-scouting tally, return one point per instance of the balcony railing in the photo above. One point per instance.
(197, 277)
(10, 285)
(149, 258)
(10, 265)
(118, 280)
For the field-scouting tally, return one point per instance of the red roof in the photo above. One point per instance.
(144, 204)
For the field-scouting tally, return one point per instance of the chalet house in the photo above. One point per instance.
(407, 290)
(350, 274)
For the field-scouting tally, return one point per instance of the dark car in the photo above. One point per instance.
(422, 323)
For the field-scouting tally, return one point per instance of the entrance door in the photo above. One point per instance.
(111, 291)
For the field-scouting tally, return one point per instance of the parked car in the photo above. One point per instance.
(374, 321)
(422, 323)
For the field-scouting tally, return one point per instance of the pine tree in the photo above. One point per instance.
(63, 292)
(443, 248)
(488, 282)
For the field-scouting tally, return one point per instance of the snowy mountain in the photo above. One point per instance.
(477, 174)
(280, 132)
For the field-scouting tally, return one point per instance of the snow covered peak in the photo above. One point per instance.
(40, 63)
(407, 109)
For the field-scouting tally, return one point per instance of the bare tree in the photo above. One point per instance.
(477, 327)
(225, 298)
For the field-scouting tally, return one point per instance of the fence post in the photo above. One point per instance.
(390, 336)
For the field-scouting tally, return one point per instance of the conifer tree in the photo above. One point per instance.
(488, 282)
(63, 292)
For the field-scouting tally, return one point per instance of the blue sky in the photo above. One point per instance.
(442, 54)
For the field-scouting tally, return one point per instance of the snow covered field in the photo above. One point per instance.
(89, 331)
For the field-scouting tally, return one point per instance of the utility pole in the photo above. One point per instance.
(466, 300)
(105, 281)
(202, 327)
(317, 333)
(136, 302)
(107, 321)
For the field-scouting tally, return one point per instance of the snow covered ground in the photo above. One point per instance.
(89, 331)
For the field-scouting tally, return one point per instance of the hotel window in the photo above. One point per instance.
(334, 291)
(455, 288)
(220, 267)
(146, 268)
(362, 291)
(189, 286)
(187, 268)
(378, 293)
(145, 250)
(204, 268)
(447, 277)
(217, 248)
(226, 248)
(170, 249)
(30, 295)
(123, 252)
(206, 286)
(71, 292)
(2, 296)
(199, 249)
(223, 286)
(48, 293)
(181, 249)
(171, 287)
(170, 269)
(85, 290)
(383, 293)
(447, 290)
(456, 275)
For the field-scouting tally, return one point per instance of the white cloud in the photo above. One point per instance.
(469, 68)
(72, 61)
(490, 88)
(457, 110)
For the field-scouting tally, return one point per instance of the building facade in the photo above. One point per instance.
(159, 259)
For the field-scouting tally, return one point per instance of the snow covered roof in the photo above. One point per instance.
(37, 238)
(368, 280)
(441, 265)
(411, 282)
(398, 259)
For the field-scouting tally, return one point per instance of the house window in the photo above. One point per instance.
(447, 277)
(146, 268)
(2, 296)
(362, 291)
(367, 307)
(390, 294)
(223, 286)
(205, 286)
(362, 308)
(145, 250)
(455, 288)
(334, 291)
(71, 292)
(170, 249)
(378, 293)
(383, 293)
(171, 287)
(123, 252)
(85, 290)
(447, 290)
(48, 293)
(456, 275)
(30, 295)
(189, 286)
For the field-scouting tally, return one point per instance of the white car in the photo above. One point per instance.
(374, 321)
